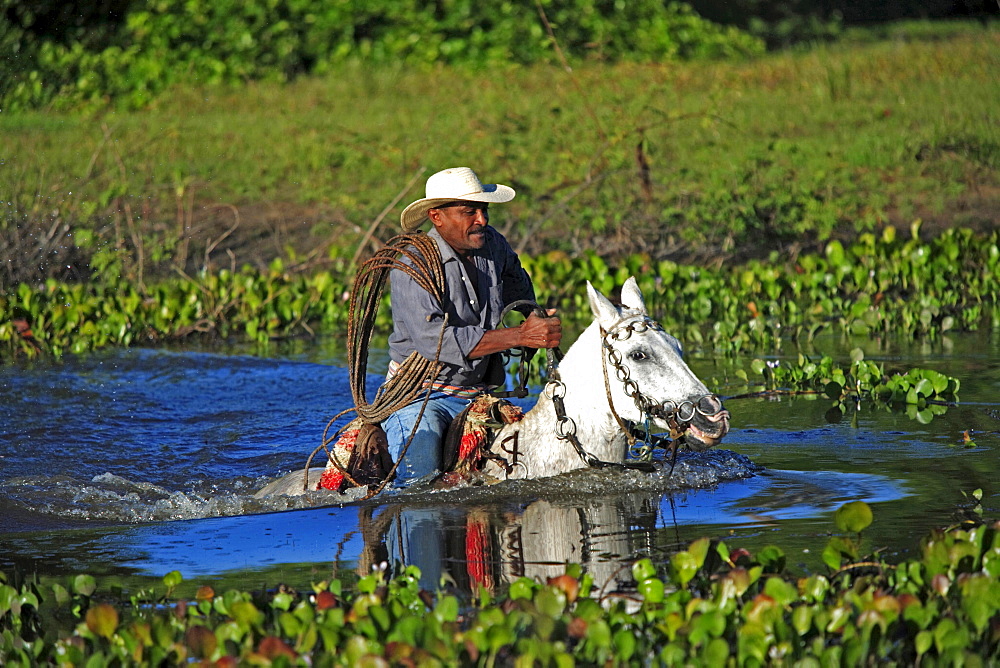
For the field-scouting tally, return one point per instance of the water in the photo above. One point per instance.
(128, 464)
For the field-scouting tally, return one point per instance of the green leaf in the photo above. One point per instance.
(853, 517)
(772, 558)
(522, 588)
(446, 609)
(60, 595)
(802, 617)
(923, 642)
(172, 579)
(683, 567)
(835, 253)
(924, 388)
(837, 548)
(551, 601)
(699, 550)
(938, 380)
(624, 641)
(599, 634)
(245, 613)
(782, 592)
(9, 600)
(651, 590)
(643, 570)
(84, 585)
(282, 601)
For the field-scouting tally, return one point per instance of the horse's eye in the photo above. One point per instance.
(637, 355)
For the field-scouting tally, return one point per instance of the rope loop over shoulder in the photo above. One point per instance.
(418, 256)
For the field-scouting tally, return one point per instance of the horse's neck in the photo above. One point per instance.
(582, 372)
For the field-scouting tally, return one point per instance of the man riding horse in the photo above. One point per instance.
(482, 275)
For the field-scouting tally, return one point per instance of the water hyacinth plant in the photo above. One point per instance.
(880, 286)
(709, 605)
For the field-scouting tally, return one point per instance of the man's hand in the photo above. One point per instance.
(538, 332)
(534, 332)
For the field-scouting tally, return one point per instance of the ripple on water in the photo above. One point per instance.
(112, 498)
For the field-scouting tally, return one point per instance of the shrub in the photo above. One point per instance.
(166, 42)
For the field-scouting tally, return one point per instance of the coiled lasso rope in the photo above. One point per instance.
(418, 256)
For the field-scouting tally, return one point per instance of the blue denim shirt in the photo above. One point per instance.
(416, 317)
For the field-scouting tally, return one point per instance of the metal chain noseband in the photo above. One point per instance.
(682, 412)
(621, 333)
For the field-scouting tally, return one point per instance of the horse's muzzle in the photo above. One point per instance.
(708, 424)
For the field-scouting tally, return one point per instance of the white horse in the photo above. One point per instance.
(622, 369)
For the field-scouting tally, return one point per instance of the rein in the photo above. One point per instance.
(553, 355)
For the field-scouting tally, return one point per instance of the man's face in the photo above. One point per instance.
(462, 224)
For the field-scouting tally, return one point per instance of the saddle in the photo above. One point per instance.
(362, 451)
(467, 442)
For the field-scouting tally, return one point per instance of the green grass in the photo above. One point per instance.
(790, 148)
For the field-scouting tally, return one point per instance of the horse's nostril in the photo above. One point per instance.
(721, 416)
(709, 405)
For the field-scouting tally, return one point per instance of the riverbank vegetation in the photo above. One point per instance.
(883, 286)
(710, 605)
(700, 162)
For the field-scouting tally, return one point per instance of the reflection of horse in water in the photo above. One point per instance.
(483, 546)
(622, 369)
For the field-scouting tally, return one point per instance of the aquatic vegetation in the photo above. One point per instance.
(708, 605)
(922, 393)
(74, 318)
(881, 286)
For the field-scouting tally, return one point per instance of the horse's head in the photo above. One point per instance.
(646, 373)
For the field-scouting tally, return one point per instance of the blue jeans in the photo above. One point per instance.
(423, 457)
(416, 538)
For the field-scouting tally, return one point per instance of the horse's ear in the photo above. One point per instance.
(605, 312)
(632, 296)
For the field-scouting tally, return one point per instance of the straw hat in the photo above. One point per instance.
(450, 185)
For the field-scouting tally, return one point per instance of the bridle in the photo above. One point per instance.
(677, 415)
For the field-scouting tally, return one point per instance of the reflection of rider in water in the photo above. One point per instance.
(434, 540)
(482, 275)
(484, 547)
